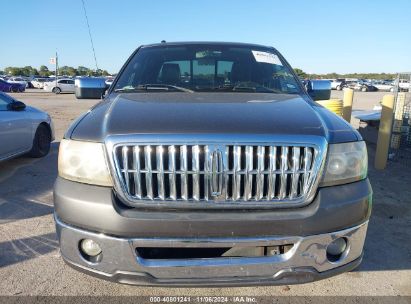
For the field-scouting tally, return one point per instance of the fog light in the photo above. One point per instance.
(336, 249)
(90, 248)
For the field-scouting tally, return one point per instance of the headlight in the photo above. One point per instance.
(347, 162)
(83, 162)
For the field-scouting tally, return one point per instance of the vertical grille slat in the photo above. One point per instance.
(137, 168)
(172, 170)
(295, 176)
(207, 168)
(248, 180)
(183, 174)
(149, 174)
(125, 166)
(237, 173)
(271, 175)
(226, 165)
(160, 172)
(196, 174)
(260, 177)
(284, 167)
(307, 165)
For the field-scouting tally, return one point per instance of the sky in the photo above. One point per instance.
(321, 36)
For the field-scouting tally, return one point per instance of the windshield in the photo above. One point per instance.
(207, 68)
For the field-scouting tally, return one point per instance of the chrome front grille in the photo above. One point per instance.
(243, 173)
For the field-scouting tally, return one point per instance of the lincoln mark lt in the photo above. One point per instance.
(211, 164)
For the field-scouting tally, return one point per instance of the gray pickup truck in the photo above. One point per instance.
(210, 164)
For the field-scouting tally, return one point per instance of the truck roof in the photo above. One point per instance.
(165, 44)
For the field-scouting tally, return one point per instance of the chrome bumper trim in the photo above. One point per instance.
(306, 259)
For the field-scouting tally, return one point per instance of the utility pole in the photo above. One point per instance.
(57, 62)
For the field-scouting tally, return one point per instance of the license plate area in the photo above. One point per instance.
(179, 253)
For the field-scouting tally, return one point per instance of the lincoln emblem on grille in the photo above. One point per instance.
(216, 178)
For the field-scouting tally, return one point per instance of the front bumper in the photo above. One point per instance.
(305, 262)
(96, 208)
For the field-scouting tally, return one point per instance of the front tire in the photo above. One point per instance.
(56, 90)
(364, 89)
(41, 142)
(338, 88)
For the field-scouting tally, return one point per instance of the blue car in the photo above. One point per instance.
(11, 87)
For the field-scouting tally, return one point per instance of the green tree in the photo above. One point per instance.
(13, 71)
(67, 70)
(44, 71)
(29, 71)
(300, 73)
(71, 71)
(63, 70)
(100, 72)
(83, 71)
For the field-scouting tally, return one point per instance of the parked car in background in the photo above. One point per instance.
(359, 85)
(404, 85)
(383, 85)
(11, 87)
(337, 84)
(65, 85)
(19, 80)
(38, 83)
(109, 81)
(28, 80)
(23, 129)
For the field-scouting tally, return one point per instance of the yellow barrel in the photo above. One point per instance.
(334, 105)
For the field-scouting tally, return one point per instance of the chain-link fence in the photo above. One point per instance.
(401, 135)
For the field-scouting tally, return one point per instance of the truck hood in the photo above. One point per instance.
(209, 113)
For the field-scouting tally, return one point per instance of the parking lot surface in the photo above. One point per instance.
(30, 262)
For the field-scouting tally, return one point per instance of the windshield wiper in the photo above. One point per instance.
(254, 89)
(127, 89)
(153, 87)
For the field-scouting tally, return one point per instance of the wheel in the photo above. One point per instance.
(41, 142)
(56, 90)
(338, 88)
(21, 90)
(14, 89)
(392, 90)
(364, 89)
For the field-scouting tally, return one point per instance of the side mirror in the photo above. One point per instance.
(319, 89)
(17, 106)
(90, 87)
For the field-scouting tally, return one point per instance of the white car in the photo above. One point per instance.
(38, 83)
(23, 129)
(404, 85)
(64, 85)
(17, 80)
(337, 84)
(384, 86)
(109, 81)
